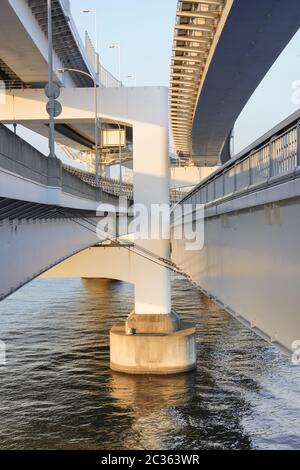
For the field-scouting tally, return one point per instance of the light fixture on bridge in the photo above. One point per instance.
(94, 12)
(97, 120)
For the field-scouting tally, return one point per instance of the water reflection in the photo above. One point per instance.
(137, 391)
(57, 390)
(150, 399)
(179, 413)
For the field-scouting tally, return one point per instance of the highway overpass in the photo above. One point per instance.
(222, 51)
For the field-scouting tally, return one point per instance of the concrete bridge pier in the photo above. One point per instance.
(153, 340)
(159, 342)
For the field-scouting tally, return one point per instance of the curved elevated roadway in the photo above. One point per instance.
(222, 51)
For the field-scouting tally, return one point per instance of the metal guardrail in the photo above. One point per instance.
(108, 185)
(177, 194)
(12, 85)
(277, 157)
(112, 186)
(106, 79)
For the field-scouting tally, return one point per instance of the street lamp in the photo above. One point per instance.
(94, 12)
(120, 154)
(134, 77)
(117, 46)
(50, 80)
(120, 157)
(232, 142)
(63, 70)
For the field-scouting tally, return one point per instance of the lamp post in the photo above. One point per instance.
(63, 70)
(117, 46)
(232, 142)
(120, 156)
(94, 12)
(50, 80)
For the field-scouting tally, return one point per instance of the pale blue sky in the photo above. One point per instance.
(143, 28)
(272, 101)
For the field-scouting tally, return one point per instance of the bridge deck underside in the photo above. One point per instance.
(254, 34)
(21, 210)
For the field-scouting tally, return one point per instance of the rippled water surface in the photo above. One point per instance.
(57, 391)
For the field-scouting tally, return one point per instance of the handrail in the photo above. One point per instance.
(108, 185)
(112, 186)
(278, 156)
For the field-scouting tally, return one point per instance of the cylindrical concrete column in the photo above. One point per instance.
(151, 189)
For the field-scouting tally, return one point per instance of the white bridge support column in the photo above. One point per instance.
(153, 340)
(151, 187)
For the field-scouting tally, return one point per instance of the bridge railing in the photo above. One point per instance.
(177, 194)
(277, 157)
(18, 157)
(112, 186)
(108, 185)
(107, 80)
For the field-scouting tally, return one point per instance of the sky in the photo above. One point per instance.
(273, 99)
(144, 29)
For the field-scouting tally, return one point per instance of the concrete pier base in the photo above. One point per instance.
(152, 323)
(153, 353)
